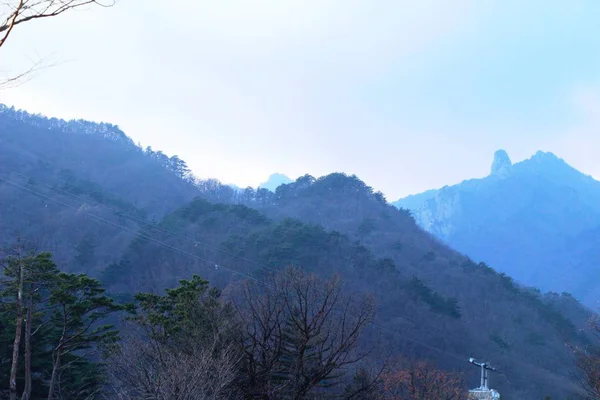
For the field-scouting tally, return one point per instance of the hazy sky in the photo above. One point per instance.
(407, 94)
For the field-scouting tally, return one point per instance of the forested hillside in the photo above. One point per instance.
(137, 220)
(536, 220)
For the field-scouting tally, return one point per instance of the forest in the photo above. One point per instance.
(125, 276)
(290, 335)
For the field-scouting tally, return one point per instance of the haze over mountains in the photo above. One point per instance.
(139, 220)
(274, 181)
(537, 220)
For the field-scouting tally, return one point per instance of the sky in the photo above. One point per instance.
(408, 95)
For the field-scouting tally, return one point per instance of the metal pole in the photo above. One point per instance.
(486, 377)
(482, 385)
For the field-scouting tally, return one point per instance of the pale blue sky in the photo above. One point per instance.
(408, 95)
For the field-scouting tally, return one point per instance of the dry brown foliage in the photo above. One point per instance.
(421, 380)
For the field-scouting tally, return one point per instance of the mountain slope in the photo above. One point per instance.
(434, 302)
(54, 174)
(524, 219)
(97, 155)
(445, 300)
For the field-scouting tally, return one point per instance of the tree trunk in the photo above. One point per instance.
(28, 323)
(18, 333)
(54, 372)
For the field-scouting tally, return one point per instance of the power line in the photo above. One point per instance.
(195, 241)
(169, 232)
(151, 224)
(158, 242)
(149, 238)
(258, 264)
(209, 246)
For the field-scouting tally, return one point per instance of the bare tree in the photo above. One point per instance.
(300, 334)
(147, 369)
(366, 384)
(587, 361)
(16, 12)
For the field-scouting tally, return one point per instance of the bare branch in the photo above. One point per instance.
(28, 10)
(10, 22)
(16, 12)
(146, 369)
(300, 334)
(26, 75)
(587, 361)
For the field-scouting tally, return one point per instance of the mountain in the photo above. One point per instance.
(427, 293)
(138, 220)
(536, 220)
(274, 181)
(55, 174)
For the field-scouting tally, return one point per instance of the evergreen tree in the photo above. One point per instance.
(80, 305)
(39, 278)
(54, 317)
(27, 280)
(184, 350)
(186, 315)
(85, 252)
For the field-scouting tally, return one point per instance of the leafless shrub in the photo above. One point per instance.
(145, 369)
(587, 361)
(421, 380)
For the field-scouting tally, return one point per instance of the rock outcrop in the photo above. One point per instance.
(502, 165)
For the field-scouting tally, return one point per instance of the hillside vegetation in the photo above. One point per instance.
(137, 220)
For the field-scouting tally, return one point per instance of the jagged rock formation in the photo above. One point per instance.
(502, 165)
(531, 223)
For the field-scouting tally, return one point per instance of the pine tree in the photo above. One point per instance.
(26, 283)
(39, 278)
(39, 306)
(80, 305)
(185, 316)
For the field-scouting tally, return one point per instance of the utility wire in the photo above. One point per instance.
(149, 238)
(260, 266)
(166, 231)
(158, 242)
(233, 271)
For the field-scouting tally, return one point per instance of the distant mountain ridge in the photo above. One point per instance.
(274, 181)
(529, 220)
(80, 126)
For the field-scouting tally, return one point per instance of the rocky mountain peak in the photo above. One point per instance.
(502, 165)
